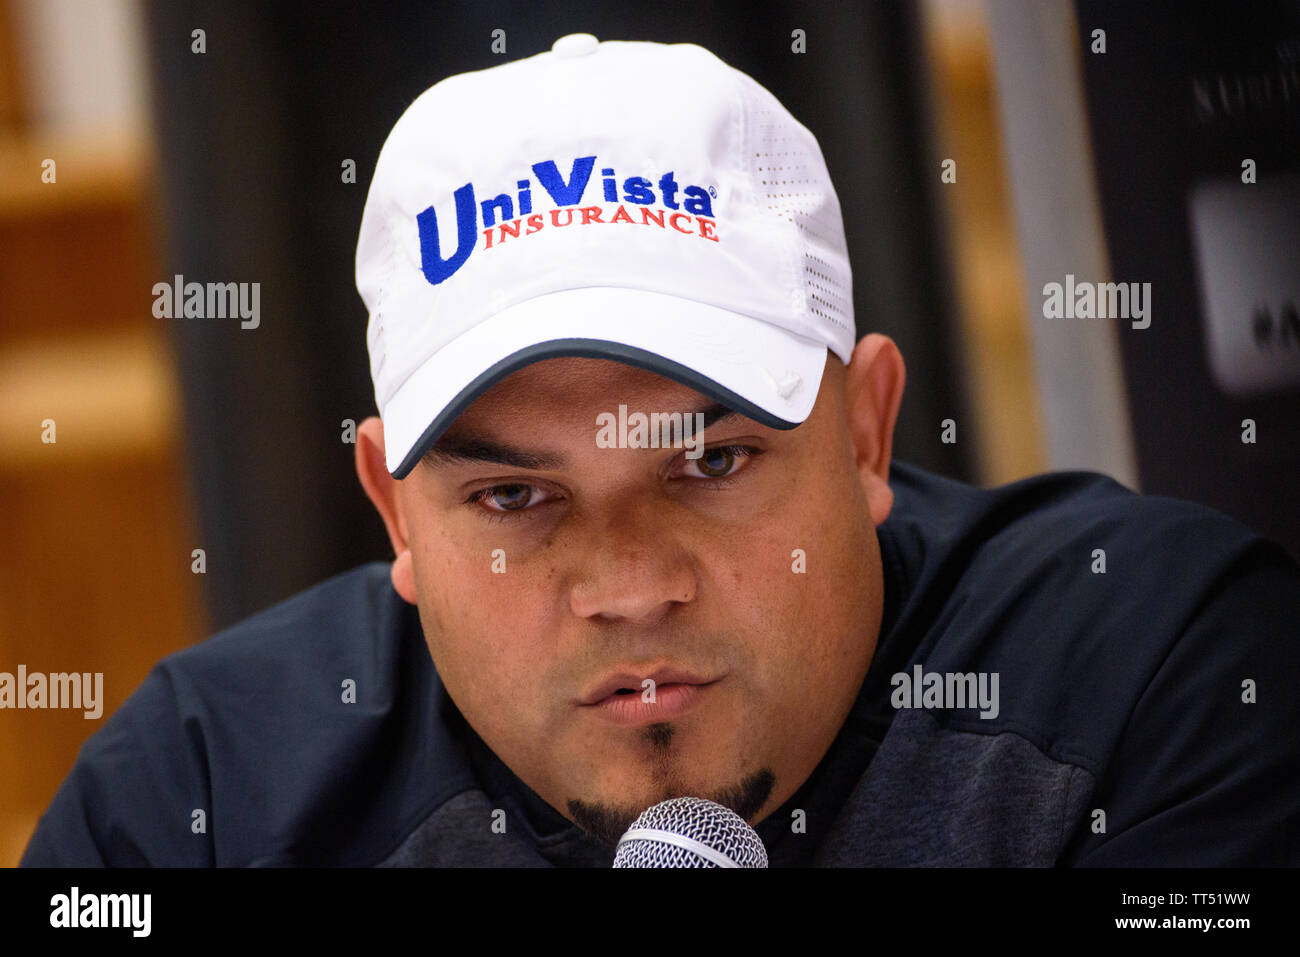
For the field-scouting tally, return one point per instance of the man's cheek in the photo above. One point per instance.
(800, 596)
(776, 573)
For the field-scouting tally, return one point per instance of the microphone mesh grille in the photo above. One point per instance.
(711, 824)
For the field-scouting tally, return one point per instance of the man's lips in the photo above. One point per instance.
(632, 680)
(671, 700)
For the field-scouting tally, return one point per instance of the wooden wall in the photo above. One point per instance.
(95, 528)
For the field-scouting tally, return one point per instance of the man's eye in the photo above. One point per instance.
(506, 498)
(719, 461)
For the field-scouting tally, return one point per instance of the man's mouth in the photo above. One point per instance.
(661, 694)
(626, 682)
(669, 701)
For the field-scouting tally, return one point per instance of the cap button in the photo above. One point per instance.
(575, 44)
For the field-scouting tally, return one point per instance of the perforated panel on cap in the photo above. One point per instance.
(791, 181)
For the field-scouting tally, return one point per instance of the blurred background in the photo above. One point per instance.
(1111, 156)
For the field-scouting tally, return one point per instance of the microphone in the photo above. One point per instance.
(690, 832)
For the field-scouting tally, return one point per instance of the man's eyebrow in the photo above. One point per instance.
(454, 450)
(472, 449)
(716, 412)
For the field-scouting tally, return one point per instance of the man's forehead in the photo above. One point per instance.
(521, 420)
(575, 386)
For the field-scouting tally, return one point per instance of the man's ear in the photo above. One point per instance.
(384, 493)
(873, 391)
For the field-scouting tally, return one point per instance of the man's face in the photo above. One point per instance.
(752, 572)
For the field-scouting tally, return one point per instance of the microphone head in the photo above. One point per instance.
(690, 832)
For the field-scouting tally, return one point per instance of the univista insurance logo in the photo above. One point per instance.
(686, 210)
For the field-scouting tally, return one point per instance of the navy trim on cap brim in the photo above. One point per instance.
(590, 349)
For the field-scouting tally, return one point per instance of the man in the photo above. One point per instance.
(650, 542)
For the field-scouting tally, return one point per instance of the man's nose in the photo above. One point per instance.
(635, 570)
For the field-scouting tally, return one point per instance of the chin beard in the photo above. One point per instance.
(607, 822)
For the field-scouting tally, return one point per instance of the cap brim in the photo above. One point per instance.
(751, 366)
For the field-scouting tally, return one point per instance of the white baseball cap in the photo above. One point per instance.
(635, 201)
